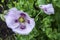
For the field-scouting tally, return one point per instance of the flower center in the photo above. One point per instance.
(21, 20)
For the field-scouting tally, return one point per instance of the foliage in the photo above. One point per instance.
(47, 26)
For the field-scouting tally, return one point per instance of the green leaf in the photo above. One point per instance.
(57, 17)
(2, 17)
(41, 2)
(57, 3)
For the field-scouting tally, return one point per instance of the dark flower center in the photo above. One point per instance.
(22, 17)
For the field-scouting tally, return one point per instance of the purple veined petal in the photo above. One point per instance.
(13, 12)
(23, 30)
(23, 15)
(32, 22)
(48, 9)
(22, 27)
(16, 20)
(45, 9)
(10, 21)
(28, 21)
(13, 9)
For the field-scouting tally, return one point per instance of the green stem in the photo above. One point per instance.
(38, 13)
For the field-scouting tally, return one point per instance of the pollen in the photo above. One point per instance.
(21, 20)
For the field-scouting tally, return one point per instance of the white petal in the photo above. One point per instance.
(10, 18)
(14, 13)
(10, 21)
(32, 22)
(28, 29)
(12, 10)
(48, 7)
(25, 14)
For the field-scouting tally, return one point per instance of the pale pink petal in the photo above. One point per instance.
(48, 9)
(28, 28)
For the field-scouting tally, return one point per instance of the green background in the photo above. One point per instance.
(47, 26)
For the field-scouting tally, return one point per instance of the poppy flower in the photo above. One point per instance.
(19, 21)
(48, 9)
